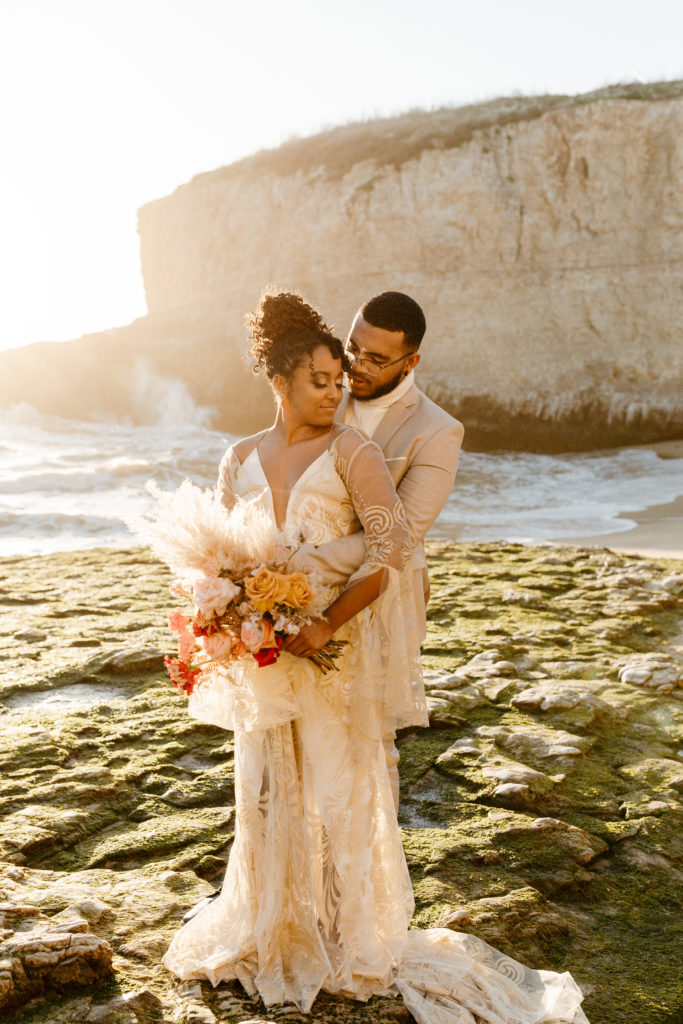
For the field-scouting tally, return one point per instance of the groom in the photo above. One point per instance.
(421, 445)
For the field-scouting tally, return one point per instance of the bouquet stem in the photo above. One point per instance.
(326, 657)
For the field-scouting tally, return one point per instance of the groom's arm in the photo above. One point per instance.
(423, 490)
(428, 481)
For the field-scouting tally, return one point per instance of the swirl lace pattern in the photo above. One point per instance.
(317, 893)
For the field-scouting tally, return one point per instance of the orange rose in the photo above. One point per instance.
(266, 588)
(300, 592)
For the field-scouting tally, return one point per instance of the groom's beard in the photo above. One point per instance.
(381, 390)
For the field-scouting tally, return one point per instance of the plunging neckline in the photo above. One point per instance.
(296, 483)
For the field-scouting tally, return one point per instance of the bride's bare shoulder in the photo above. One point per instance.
(245, 446)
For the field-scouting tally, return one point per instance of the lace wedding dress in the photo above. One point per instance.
(317, 893)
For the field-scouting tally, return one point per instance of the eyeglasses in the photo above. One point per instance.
(372, 367)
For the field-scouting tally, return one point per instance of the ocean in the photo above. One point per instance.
(67, 484)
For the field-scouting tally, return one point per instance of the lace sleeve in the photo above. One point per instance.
(360, 464)
(227, 471)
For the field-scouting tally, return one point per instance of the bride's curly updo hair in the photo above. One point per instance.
(285, 331)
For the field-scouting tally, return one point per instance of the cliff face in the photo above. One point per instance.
(542, 237)
(546, 253)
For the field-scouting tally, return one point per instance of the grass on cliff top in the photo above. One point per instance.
(396, 140)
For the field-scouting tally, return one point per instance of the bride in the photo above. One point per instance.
(317, 893)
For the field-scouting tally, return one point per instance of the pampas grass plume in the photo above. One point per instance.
(194, 534)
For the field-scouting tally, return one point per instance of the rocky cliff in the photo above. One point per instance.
(543, 238)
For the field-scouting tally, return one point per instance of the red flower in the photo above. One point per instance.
(182, 676)
(201, 626)
(269, 655)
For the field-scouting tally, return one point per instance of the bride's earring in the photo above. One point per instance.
(280, 388)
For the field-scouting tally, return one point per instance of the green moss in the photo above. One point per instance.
(134, 783)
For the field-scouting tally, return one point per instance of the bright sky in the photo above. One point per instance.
(107, 104)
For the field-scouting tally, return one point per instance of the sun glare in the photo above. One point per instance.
(112, 106)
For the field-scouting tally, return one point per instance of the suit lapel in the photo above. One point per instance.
(395, 417)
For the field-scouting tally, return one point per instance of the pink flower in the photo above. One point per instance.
(212, 595)
(256, 635)
(178, 621)
(186, 646)
(218, 645)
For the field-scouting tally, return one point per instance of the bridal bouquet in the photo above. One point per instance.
(231, 570)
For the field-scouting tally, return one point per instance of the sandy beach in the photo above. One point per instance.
(658, 532)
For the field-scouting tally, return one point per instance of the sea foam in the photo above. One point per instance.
(68, 484)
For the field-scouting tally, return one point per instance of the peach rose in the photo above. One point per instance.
(212, 595)
(256, 635)
(300, 592)
(218, 645)
(266, 588)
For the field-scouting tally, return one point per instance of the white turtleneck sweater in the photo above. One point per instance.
(367, 416)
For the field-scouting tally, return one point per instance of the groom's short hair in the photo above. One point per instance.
(394, 311)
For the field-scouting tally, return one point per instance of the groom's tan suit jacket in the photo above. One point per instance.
(421, 445)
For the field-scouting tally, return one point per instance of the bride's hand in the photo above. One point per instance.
(309, 639)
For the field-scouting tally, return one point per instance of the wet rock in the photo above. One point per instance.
(541, 743)
(461, 701)
(494, 689)
(647, 860)
(442, 712)
(198, 1013)
(525, 598)
(658, 773)
(455, 919)
(673, 583)
(655, 671)
(640, 804)
(36, 955)
(94, 909)
(553, 695)
(571, 669)
(130, 1008)
(130, 799)
(193, 1009)
(584, 848)
(462, 748)
(511, 790)
(445, 680)
(503, 668)
(522, 914)
(30, 636)
(516, 779)
(127, 660)
(486, 664)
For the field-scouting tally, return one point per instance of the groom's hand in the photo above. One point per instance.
(309, 639)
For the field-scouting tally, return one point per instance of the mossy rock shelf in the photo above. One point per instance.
(542, 810)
